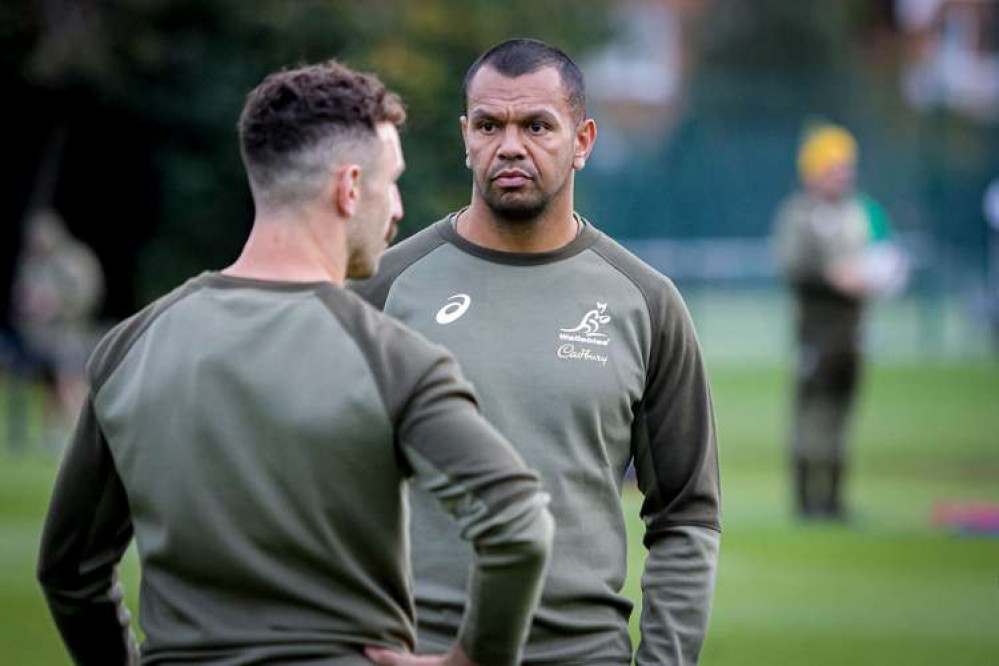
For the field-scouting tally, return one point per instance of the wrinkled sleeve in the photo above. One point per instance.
(86, 533)
(677, 587)
(460, 459)
(676, 459)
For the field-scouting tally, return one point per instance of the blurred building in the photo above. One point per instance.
(952, 57)
(637, 79)
(700, 106)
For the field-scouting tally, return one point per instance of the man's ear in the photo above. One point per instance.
(464, 137)
(347, 189)
(586, 136)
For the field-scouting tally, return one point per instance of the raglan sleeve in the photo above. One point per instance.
(676, 460)
(86, 533)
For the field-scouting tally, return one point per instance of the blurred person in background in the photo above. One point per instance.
(58, 290)
(255, 429)
(586, 358)
(834, 247)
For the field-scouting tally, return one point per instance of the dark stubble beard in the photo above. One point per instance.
(519, 209)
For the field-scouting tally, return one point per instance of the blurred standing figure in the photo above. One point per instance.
(831, 242)
(255, 429)
(57, 292)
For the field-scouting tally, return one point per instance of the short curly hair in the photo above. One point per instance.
(298, 123)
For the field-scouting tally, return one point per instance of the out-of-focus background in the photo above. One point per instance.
(120, 118)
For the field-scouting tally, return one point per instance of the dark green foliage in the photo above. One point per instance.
(180, 69)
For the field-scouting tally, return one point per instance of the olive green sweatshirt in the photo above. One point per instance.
(256, 438)
(587, 360)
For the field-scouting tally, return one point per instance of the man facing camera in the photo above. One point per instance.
(586, 359)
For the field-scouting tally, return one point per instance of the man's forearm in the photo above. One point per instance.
(94, 624)
(512, 543)
(509, 565)
(86, 531)
(677, 588)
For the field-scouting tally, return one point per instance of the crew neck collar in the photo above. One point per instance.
(220, 280)
(585, 238)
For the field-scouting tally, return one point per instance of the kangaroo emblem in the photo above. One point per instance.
(590, 323)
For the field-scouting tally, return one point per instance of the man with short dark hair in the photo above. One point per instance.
(255, 429)
(584, 356)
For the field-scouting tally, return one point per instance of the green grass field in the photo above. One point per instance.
(888, 589)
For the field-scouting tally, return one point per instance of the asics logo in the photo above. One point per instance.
(457, 306)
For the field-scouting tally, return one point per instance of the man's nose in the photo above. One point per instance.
(512, 145)
(397, 211)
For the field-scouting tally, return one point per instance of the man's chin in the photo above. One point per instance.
(514, 210)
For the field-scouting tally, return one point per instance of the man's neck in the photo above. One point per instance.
(290, 250)
(553, 229)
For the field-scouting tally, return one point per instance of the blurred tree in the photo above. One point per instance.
(149, 91)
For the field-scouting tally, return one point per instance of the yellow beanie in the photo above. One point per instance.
(823, 147)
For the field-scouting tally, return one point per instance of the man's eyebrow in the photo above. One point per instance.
(536, 114)
(521, 116)
(479, 112)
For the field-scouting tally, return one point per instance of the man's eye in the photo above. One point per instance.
(538, 127)
(487, 126)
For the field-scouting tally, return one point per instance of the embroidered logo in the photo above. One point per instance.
(457, 305)
(588, 329)
(586, 332)
(569, 351)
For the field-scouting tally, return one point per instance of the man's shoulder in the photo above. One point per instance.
(115, 344)
(655, 286)
(369, 326)
(389, 345)
(397, 356)
(414, 247)
(668, 313)
(395, 261)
